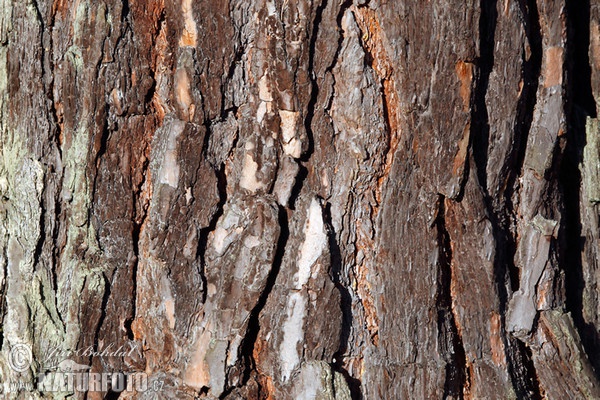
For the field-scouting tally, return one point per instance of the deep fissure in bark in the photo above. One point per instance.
(37, 254)
(579, 105)
(480, 132)
(310, 109)
(314, 86)
(520, 367)
(501, 214)
(479, 147)
(56, 251)
(527, 100)
(345, 305)
(247, 346)
(137, 225)
(205, 232)
(449, 338)
(513, 167)
(298, 184)
(522, 370)
(338, 20)
(135, 240)
(105, 299)
(480, 127)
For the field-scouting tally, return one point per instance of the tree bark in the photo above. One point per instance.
(293, 199)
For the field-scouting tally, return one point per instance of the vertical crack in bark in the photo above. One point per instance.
(139, 216)
(103, 145)
(125, 13)
(340, 15)
(312, 103)
(480, 146)
(135, 239)
(204, 232)
(504, 248)
(247, 346)
(580, 104)
(105, 298)
(377, 58)
(449, 338)
(37, 254)
(520, 366)
(138, 222)
(50, 155)
(346, 306)
(532, 64)
(513, 165)
(55, 121)
(379, 61)
(522, 370)
(42, 58)
(480, 127)
(57, 249)
(580, 96)
(140, 190)
(152, 91)
(338, 20)
(314, 86)
(55, 117)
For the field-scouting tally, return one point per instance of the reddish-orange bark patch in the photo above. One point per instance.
(464, 71)
(496, 344)
(553, 66)
(463, 148)
(374, 42)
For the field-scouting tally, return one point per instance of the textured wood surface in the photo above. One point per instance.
(277, 199)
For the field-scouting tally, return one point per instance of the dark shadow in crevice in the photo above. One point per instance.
(513, 166)
(103, 307)
(520, 367)
(298, 184)
(480, 128)
(204, 232)
(522, 370)
(247, 345)
(499, 207)
(480, 137)
(310, 109)
(345, 305)
(449, 339)
(112, 395)
(580, 105)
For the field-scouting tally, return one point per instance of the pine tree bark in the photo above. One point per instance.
(303, 199)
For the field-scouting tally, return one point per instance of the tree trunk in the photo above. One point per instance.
(297, 200)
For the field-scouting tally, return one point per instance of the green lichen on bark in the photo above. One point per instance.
(591, 161)
(559, 329)
(316, 380)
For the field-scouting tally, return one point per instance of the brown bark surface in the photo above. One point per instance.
(277, 199)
